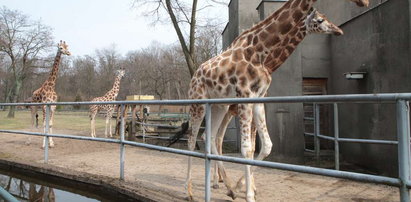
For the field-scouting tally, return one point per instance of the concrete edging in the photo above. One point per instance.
(107, 184)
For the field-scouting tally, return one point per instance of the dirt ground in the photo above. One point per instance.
(165, 173)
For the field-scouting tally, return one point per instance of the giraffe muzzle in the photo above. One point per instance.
(363, 3)
(338, 32)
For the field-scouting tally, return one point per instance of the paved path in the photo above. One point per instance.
(164, 173)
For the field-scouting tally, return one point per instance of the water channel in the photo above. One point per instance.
(39, 187)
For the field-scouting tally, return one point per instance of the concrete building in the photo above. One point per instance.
(376, 40)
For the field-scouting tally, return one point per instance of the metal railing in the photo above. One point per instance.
(403, 135)
(336, 139)
(7, 196)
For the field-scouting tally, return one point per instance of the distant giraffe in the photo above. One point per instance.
(111, 95)
(244, 71)
(46, 93)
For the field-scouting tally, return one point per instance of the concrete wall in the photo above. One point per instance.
(249, 15)
(376, 40)
(241, 15)
(231, 30)
(378, 43)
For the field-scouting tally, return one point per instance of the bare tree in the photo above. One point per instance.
(182, 14)
(208, 42)
(108, 61)
(23, 41)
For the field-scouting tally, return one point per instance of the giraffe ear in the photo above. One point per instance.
(310, 16)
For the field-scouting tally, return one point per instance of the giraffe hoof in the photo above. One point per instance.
(232, 194)
(216, 186)
(190, 198)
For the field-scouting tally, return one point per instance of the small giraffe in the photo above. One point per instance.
(111, 95)
(244, 71)
(46, 93)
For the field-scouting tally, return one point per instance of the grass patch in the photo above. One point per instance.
(78, 121)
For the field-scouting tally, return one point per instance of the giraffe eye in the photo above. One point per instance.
(320, 20)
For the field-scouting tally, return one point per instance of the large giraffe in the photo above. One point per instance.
(244, 71)
(111, 95)
(46, 93)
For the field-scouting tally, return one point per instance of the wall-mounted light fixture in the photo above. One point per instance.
(355, 75)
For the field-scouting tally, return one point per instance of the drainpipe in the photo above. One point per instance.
(409, 27)
(7, 196)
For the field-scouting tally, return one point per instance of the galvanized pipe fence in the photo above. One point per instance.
(403, 135)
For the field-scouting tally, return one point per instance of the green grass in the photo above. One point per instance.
(78, 121)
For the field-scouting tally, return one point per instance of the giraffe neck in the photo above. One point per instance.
(112, 94)
(51, 81)
(271, 41)
(276, 55)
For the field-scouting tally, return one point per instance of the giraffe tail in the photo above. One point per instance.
(179, 134)
(37, 120)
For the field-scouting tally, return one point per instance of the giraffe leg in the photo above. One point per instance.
(44, 126)
(241, 182)
(219, 141)
(197, 115)
(246, 117)
(93, 113)
(109, 116)
(218, 113)
(53, 109)
(33, 110)
(107, 122)
(266, 144)
(34, 121)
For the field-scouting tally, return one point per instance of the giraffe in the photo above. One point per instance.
(313, 22)
(111, 95)
(46, 93)
(244, 71)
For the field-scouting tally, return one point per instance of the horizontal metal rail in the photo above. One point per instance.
(311, 170)
(95, 139)
(352, 98)
(367, 141)
(7, 196)
(403, 181)
(281, 166)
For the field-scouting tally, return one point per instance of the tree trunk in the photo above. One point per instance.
(14, 97)
(187, 54)
(178, 90)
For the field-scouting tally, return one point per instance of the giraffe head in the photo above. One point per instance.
(318, 23)
(361, 2)
(63, 48)
(120, 73)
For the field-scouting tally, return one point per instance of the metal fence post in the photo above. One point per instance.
(403, 135)
(46, 137)
(317, 132)
(122, 146)
(336, 136)
(207, 152)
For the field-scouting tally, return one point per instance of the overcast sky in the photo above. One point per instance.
(87, 25)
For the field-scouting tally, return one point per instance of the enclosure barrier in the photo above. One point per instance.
(7, 196)
(403, 135)
(317, 136)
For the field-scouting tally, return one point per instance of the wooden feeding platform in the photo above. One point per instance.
(151, 122)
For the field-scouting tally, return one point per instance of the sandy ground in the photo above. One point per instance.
(165, 173)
